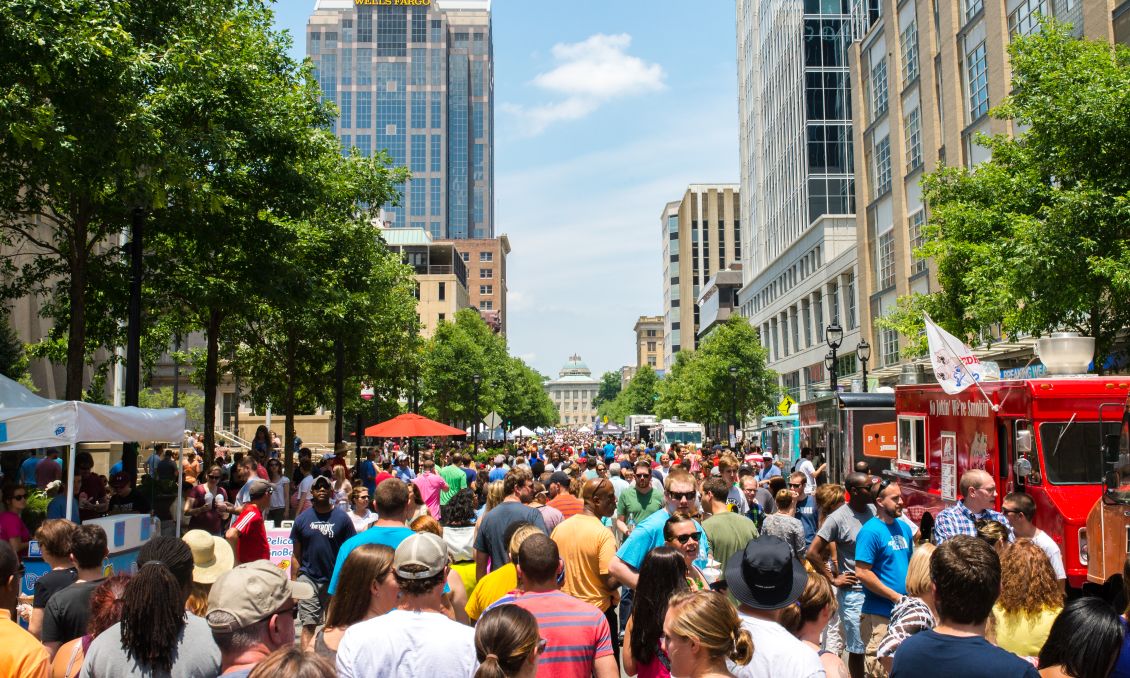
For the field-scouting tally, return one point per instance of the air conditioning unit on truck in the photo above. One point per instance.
(1042, 436)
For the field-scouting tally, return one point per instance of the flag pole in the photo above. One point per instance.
(953, 354)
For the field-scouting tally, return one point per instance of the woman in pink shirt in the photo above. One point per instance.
(12, 528)
(430, 484)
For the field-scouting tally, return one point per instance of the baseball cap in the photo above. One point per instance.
(322, 480)
(251, 592)
(119, 480)
(258, 488)
(401, 457)
(421, 550)
(559, 477)
(766, 455)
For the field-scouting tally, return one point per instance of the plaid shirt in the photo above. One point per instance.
(958, 519)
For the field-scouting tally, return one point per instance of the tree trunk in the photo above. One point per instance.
(339, 392)
(76, 332)
(211, 381)
(288, 427)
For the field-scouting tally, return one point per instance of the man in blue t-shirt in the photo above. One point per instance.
(369, 472)
(391, 500)
(27, 470)
(680, 494)
(967, 580)
(318, 534)
(882, 556)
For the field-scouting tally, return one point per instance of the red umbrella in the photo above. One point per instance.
(411, 426)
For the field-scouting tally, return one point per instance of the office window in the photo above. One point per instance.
(879, 88)
(417, 197)
(978, 79)
(363, 66)
(882, 159)
(420, 24)
(436, 199)
(486, 305)
(442, 293)
(651, 345)
(364, 144)
(1025, 19)
(419, 153)
(465, 256)
(392, 32)
(972, 7)
(419, 110)
(486, 272)
(913, 128)
(346, 106)
(486, 289)
(486, 256)
(890, 346)
(436, 166)
(437, 107)
(909, 43)
(885, 259)
(346, 64)
(442, 316)
(363, 118)
(364, 23)
(917, 221)
(651, 361)
(346, 145)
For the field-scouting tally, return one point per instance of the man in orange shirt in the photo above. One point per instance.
(588, 547)
(561, 498)
(20, 653)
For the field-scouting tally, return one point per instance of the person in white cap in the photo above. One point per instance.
(403, 470)
(251, 612)
(415, 640)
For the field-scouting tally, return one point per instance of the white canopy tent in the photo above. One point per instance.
(28, 421)
(522, 432)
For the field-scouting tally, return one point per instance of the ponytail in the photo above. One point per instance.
(505, 638)
(490, 668)
(743, 647)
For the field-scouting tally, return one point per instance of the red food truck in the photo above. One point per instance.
(1049, 437)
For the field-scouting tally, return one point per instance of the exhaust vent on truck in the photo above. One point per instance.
(1066, 352)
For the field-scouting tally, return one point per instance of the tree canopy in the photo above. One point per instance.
(638, 398)
(1037, 238)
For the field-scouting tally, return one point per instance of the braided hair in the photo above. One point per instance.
(153, 609)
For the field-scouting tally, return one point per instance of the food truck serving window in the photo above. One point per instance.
(912, 441)
(1072, 452)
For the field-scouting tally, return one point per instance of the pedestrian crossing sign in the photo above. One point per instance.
(785, 405)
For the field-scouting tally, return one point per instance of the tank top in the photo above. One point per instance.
(320, 647)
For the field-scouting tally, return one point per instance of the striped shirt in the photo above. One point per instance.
(958, 519)
(909, 616)
(576, 633)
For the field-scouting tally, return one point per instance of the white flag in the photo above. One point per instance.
(955, 366)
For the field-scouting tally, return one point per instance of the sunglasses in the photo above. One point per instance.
(213, 477)
(796, 484)
(19, 497)
(684, 538)
(683, 495)
(293, 610)
(1007, 511)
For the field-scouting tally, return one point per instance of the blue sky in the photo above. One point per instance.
(604, 112)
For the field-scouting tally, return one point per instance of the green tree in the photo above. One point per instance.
(1035, 239)
(640, 397)
(13, 360)
(609, 388)
(700, 387)
(193, 403)
(456, 352)
(523, 400)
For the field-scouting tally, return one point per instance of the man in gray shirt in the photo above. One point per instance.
(840, 528)
(490, 542)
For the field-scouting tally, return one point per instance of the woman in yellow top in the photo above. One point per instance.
(1030, 599)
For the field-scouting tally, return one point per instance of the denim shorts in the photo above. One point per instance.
(851, 608)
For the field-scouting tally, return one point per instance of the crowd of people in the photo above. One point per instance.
(566, 556)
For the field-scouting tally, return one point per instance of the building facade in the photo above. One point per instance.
(928, 73)
(700, 235)
(485, 260)
(573, 392)
(441, 276)
(649, 342)
(795, 113)
(416, 81)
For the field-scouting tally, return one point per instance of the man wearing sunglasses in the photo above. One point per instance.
(681, 495)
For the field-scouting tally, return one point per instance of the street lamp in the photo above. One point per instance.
(830, 366)
(834, 336)
(734, 404)
(863, 352)
(476, 379)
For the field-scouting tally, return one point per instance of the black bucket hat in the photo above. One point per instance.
(766, 575)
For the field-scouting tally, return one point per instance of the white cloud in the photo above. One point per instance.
(588, 74)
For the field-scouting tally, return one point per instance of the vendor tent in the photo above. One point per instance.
(28, 421)
(522, 432)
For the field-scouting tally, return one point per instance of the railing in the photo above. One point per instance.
(230, 437)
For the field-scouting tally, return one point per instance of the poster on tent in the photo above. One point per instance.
(282, 549)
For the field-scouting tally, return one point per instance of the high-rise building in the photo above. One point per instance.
(927, 74)
(485, 259)
(700, 235)
(798, 242)
(649, 342)
(416, 81)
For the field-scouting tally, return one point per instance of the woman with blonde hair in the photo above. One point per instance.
(808, 617)
(701, 631)
(292, 662)
(1030, 600)
(507, 643)
(342, 488)
(992, 532)
(915, 611)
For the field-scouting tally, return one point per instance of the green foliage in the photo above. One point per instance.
(700, 388)
(609, 388)
(639, 397)
(460, 349)
(1037, 238)
(13, 359)
(192, 402)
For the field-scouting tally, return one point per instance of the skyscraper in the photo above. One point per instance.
(797, 190)
(418, 82)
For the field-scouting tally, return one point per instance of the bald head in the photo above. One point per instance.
(599, 495)
(855, 480)
(978, 490)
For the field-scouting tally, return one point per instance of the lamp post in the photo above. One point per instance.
(734, 404)
(863, 352)
(476, 379)
(834, 336)
(367, 394)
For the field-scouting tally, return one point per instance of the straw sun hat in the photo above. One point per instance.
(212, 556)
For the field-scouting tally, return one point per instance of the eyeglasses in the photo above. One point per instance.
(800, 484)
(683, 495)
(19, 497)
(293, 610)
(684, 538)
(1007, 511)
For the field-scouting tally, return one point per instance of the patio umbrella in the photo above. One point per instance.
(411, 426)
